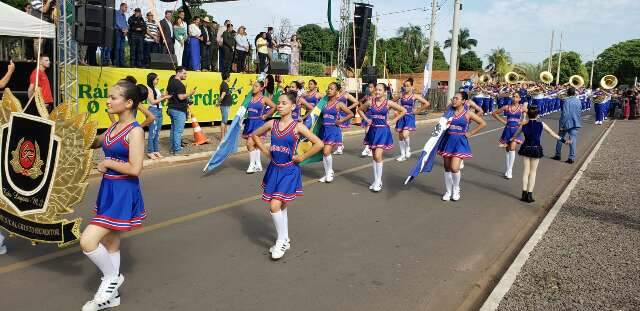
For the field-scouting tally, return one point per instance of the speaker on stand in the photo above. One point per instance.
(362, 22)
(94, 22)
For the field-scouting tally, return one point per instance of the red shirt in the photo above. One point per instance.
(43, 83)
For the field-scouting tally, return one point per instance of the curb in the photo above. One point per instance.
(506, 281)
(199, 156)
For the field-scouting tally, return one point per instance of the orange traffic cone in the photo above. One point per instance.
(198, 135)
(357, 120)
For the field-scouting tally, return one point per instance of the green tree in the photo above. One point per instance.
(18, 4)
(531, 72)
(571, 64)
(621, 59)
(499, 62)
(465, 42)
(470, 61)
(413, 39)
(316, 43)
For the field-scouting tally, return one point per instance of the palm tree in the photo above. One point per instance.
(499, 61)
(530, 71)
(465, 42)
(413, 38)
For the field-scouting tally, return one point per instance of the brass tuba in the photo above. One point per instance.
(511, 77)
(608, 82)
(485, 78)
(576, 81)
(546, 77)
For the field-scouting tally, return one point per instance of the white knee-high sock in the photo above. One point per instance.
(448, 181)
(115, 260)
(379, 177)
(402, 148)
(285, 216)
(252, 157)
(456, 180)
(512, 158)
(278, 221)
(507, 160)
(256, 158)
(375, 172)
(407, 146)
(329, 168)
(100, 257)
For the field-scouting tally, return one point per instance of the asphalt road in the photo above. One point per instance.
(204, 245)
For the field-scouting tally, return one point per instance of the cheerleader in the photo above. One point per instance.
(313, 98)
(531, 150)
(283, 181)
(454, 145)
(514, 114)
(407, 123)
(345, 98)
(256, 114)
(331, 132)
(371, 90)
(298, 88)
(119, 206)
(379, 137)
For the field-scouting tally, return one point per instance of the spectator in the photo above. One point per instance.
(242, 48)
(155, 99)
(225, 102)
(42, 82)
(228, 45)
(284, 52)
(41, 9)
(121, 29)
(195, 38)
(178, 106)
(295, 55)
(205, 45)
(220, 44)
(137, 31)
(28, 42)
(214, 46)
(180, 38)
(151, 38)
(271, 44)
(11, 67)
(263, 52)
(166, 37)
(570, 122)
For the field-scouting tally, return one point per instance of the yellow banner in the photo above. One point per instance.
(94, 83)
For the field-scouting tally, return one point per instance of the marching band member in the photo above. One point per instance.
(256, 116)
(331, 133)
(454, 145)
(531, 150)
(282, 181)
(120, 206)
(379, 137)
(407, 123)
(514, 114)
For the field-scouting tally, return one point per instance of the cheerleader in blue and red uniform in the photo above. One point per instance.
(371, 91)
(259, 109)
(379, 137)
(301, 102)
(313, 98)
(119, 206)
(331, 133)
(346, 99)
(514, 114)
(282, 181)
(407, 123)
(454, 145)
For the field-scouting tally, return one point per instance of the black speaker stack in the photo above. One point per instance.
(94, 21)
(362, 23)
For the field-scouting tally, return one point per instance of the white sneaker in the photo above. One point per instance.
(461, 164)
(377, 188)
(108, 288)
(259, 168)
(456, 195)
(446, 196)
(329, 177)
(371, 186)
(401, 158)
(323, 179)
(287, 245)
(251, 169)
(508, 175)
(369, 153)
(279, 249)
(339, 150)
(94, 306)
(3, 249)
(365, 152)
(408, 154)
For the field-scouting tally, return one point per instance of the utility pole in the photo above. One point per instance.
(593, 62)
(551, 52)
(375, 40)
(559, 62)
(429, 66)
(453, 62)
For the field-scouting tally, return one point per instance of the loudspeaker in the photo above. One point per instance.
(362, 24)
(94, 22)
(279, 68)
(162, 61)
(369, 74)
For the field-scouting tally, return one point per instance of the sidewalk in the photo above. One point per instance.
(195, 153)
(589, 259)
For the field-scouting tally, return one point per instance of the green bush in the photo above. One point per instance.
(311, 69)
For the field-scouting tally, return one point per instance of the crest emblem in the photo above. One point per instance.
(44, 162)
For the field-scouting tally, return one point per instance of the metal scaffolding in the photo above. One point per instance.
(343, 40)
(66, 77)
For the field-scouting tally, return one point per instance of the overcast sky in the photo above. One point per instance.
(522, 27)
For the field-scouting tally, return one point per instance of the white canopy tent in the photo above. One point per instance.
(16, 23)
